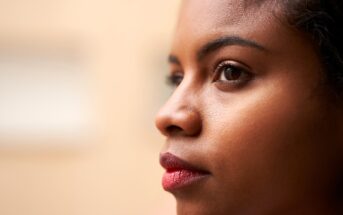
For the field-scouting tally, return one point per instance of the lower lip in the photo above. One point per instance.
(181, 178)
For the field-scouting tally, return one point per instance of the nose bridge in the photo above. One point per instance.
(183, 97)
(187, 94)
(180, 113)
(182, 101)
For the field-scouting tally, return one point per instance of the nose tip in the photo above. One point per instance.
(183, 121)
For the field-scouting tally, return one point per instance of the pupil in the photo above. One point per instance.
(232, 74)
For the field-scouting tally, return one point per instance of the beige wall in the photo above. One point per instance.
(122, 45)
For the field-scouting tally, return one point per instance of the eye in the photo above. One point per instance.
(232, 73)
(174, 79)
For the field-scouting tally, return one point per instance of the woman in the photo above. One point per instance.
(255, 124)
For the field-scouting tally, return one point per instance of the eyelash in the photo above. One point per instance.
(229, 66)
(176, 78)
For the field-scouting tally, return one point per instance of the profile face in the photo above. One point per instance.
(249, 127)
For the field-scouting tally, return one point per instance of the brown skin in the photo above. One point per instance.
(270, 136)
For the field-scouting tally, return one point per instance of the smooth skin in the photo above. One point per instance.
(251, 107)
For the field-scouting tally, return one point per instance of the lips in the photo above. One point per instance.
(179, 173)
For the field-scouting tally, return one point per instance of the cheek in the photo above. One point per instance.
(255, 135)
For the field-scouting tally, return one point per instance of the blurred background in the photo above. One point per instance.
(80, 83)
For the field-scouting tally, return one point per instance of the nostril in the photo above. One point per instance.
(173, 129)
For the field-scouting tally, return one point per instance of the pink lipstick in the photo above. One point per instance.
(179, 173)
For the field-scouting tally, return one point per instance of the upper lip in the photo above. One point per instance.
(171, 163)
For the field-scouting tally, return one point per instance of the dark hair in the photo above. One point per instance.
(321, 20)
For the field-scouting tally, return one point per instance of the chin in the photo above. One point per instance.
(200, 207)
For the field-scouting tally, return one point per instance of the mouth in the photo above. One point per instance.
(179, 173)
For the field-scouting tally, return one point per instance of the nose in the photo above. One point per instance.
(179, 116)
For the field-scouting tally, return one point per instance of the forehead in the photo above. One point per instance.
(201, 21)
(217, 13)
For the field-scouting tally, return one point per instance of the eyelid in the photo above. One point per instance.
(230, 85)
(175, 72)
(174, 78)
(234, 63)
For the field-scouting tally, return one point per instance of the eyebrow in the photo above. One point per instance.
(219, 43)
(174, 60)
(227, 41)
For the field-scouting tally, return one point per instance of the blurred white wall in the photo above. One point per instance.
(112, 168)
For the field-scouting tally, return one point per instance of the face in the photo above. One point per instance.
(249, 127)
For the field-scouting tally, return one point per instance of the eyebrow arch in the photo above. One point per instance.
(227, 41)
(174, 60)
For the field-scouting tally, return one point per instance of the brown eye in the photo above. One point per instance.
(232, 74)
(175, 79)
